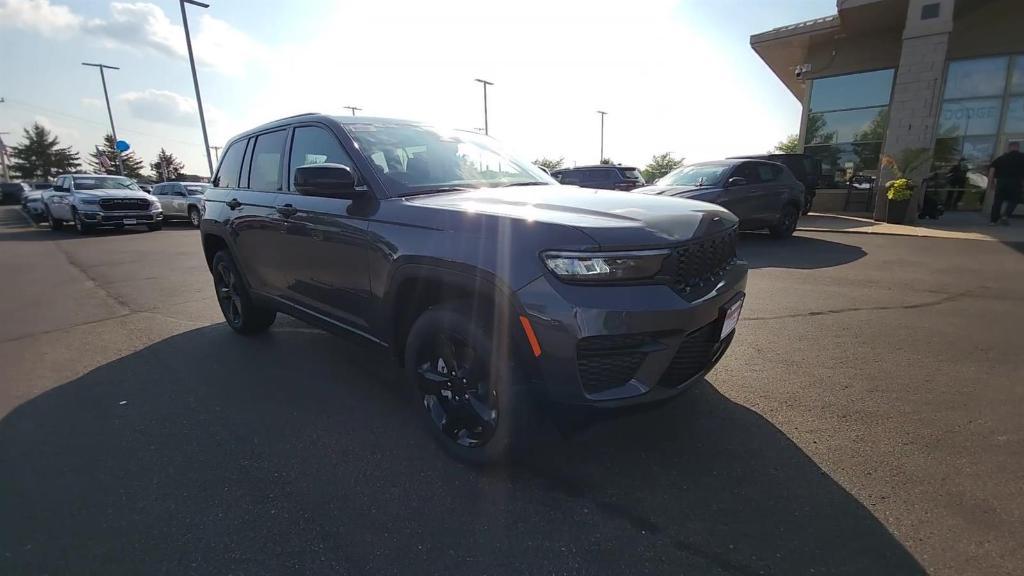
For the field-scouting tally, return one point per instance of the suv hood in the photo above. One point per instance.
(611, 218)
(114, 193)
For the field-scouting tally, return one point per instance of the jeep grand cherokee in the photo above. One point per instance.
(494, 286)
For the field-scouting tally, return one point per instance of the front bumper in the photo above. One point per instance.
(127, 218)
(613, 346)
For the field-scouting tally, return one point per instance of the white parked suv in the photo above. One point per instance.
(182, 200)
(90, 201)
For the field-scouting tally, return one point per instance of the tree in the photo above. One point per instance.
(133, 166)
(550, 164)
(660, 165)
(41, 157)
(166, 167)
(607, 161)
(790, 145)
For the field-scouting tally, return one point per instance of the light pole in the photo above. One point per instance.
(195, 79)
(602, 113)
(106, 97)
(353, 109)
(485, 84)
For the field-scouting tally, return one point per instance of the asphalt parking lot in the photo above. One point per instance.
(869, 419)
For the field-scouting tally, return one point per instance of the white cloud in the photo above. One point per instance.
(38, 16)
(161, 106)
(91, 103)
(140, 25)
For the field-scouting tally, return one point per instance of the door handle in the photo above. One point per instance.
(287, 210)
(234, 203)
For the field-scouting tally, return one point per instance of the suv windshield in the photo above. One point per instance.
(632, 174)
(695, 175)
(103, 182)
(416, 159)
(195, 189)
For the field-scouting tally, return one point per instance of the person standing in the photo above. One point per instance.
(1008, 173)
(956, 179)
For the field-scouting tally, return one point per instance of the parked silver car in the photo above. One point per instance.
(90, 201)
(182, 200)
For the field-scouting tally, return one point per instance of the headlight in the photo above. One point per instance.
(90, 200)
(605, 266)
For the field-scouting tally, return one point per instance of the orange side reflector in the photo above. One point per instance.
(530, 335)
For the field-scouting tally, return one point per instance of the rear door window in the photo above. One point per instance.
(230, 166)
(267, 153)
(768, 172)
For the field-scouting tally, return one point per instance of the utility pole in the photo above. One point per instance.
(110, 115)
(353, 109)
(485, 84)
(216, 153)
(195, 79)
(602, 113)
(3, 155)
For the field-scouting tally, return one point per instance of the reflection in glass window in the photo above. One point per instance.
(980, 77)
(1017, 75)
(840, 162)
(970, 117)
(1014, 115)
(851, 91)
(863, 125)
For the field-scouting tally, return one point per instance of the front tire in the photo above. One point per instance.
(193, 216)
(236, 304)
(787, 222)
(55, 224)
(80, 226)
(473, 398)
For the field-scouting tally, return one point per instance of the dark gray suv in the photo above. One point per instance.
(499, 290)
(763, 195)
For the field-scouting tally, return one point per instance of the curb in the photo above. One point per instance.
(900, 234)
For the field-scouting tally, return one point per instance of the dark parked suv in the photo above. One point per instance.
(761, 194)
(495, 287)
(603, 176)
(805, 168)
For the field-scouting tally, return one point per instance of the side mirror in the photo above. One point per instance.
(326, 180)
(736, 181)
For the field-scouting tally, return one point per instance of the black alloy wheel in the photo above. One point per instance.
(453, 384)
(787, 222)
(233, 298)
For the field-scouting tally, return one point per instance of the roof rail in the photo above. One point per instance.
(297, 115)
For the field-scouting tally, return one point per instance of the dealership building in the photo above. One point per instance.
(934, 79)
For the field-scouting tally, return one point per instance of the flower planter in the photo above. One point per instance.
(896, 211)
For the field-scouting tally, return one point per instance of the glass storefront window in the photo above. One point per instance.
(1017, 75)
(972, 78)
(840, 161)
(851, 91)
(970, 117)
(1014, 115)
(867, 124)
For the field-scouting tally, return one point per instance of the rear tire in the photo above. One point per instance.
(472, 396)
(236, 304)
(787, 222)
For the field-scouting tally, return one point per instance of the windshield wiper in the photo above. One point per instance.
(530, 183)
(439, 190)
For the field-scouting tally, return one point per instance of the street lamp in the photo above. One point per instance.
(353, 109)
(195, 79)
(486, 84)
(602, 113)
(110, 115)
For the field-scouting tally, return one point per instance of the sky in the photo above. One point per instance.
(674, 76)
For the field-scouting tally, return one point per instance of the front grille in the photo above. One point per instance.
(694, 354)
(704, 260)
(124, 204)
(606, 362)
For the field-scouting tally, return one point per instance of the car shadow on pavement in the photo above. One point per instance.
(295, 451)
(801, 252)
